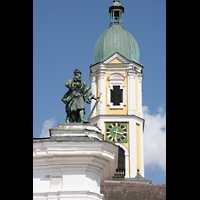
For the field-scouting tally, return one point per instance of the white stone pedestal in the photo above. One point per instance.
(72, 165)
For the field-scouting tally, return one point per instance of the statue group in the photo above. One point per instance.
(78, 93)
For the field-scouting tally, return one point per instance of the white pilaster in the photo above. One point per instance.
(131, 93)
(126, 165)
(140, 96)
(133, 150)
(141, 150)
(101, 124)
(93, 88)
(101, 89)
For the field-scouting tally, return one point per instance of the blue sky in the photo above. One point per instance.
(64, 36)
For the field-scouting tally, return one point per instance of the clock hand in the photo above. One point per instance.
(115, 138)
(118, 132)
(116, 135)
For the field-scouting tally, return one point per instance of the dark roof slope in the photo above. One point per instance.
(125, 190)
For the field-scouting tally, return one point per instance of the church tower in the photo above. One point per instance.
(116, 74)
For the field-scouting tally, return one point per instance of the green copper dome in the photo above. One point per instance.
(116, 39)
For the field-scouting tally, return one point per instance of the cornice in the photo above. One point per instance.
(118, 117)
(59, 148)
(65, 193)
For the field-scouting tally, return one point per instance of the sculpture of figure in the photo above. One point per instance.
(74, 99)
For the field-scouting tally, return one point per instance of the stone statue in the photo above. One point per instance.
(74, 99)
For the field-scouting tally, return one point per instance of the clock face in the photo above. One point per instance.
(116, 132)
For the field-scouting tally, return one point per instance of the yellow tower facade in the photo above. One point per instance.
(116, 76)
(120, 115)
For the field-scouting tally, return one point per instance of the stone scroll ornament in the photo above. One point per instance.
(78, 93)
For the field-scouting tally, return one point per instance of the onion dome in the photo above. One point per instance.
(116, 38)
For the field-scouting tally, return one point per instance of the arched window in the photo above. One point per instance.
(123, 162)
(120, 171)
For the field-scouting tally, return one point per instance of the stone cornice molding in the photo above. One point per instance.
(76, 130)
(117, 117)
(63, 193)
(51, 148)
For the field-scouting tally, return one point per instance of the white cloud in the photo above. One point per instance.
(49, 123)
(155, 138)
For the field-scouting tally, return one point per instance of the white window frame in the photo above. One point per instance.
(116, 79)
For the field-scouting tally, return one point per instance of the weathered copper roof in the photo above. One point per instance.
(116, 39)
